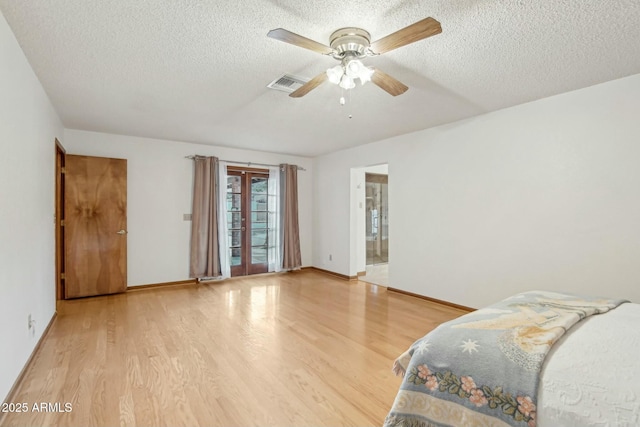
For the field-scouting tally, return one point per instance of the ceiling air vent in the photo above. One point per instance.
(287, 83)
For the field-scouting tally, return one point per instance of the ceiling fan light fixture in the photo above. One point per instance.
(348, 72)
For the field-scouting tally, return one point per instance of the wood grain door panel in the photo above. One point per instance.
(95, 211)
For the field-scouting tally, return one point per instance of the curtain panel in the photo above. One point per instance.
(290, 242)
(205, 248)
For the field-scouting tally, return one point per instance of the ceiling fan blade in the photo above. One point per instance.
(297, 40)
(388, 83)
(309, 86)
(420, 30)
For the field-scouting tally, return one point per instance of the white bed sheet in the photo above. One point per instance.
(591, 376)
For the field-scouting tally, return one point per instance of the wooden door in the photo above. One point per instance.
(95, 226)
(248, 220)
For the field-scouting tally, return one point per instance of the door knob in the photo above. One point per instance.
(122, 232)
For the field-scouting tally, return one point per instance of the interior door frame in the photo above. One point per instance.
(60, 155)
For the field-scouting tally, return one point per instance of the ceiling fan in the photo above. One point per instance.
(349, 45)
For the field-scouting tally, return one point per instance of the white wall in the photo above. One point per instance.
(159, 187)
(28, 128)
(544, 195)
(335, 181)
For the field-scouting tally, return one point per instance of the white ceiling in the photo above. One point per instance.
(197, 70)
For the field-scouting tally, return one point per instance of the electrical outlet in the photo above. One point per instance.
(330, 257)
(186, 217)
(30, 322)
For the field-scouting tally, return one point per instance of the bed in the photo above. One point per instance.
(535, 359)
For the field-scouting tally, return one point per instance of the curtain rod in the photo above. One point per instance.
(195, 157)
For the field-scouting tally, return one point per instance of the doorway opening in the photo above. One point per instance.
(370, 223)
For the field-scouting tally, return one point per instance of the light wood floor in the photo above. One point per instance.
(293, 349)
(376, 274)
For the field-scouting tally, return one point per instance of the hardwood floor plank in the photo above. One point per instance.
(300, 348)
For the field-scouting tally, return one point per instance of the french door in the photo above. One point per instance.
(248, 220)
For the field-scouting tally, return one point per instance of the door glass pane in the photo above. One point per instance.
(259, 255)
(234, 220)
(259, 220)
(259, 185)
(234, 238)
(236, 256)
(259, 202)
(234, 184)
(258, 237)
(234, 202)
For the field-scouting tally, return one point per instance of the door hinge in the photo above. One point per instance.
(62, 276)
(62, 223)
(63, 170)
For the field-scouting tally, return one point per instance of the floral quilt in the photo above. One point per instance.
(483, 368)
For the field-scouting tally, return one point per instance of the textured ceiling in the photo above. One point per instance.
(197, 70)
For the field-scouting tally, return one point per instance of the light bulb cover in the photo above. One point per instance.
(353, 68)
(347, 82)
(365, 75)
(335, 74)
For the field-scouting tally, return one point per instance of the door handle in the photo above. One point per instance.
(242, 228)
(122, 232)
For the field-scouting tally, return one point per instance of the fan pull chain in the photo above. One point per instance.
(343, 101)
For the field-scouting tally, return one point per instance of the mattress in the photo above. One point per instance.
(591, 377)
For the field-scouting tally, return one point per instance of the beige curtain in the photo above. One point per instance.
(291, 257)
(205, 251)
